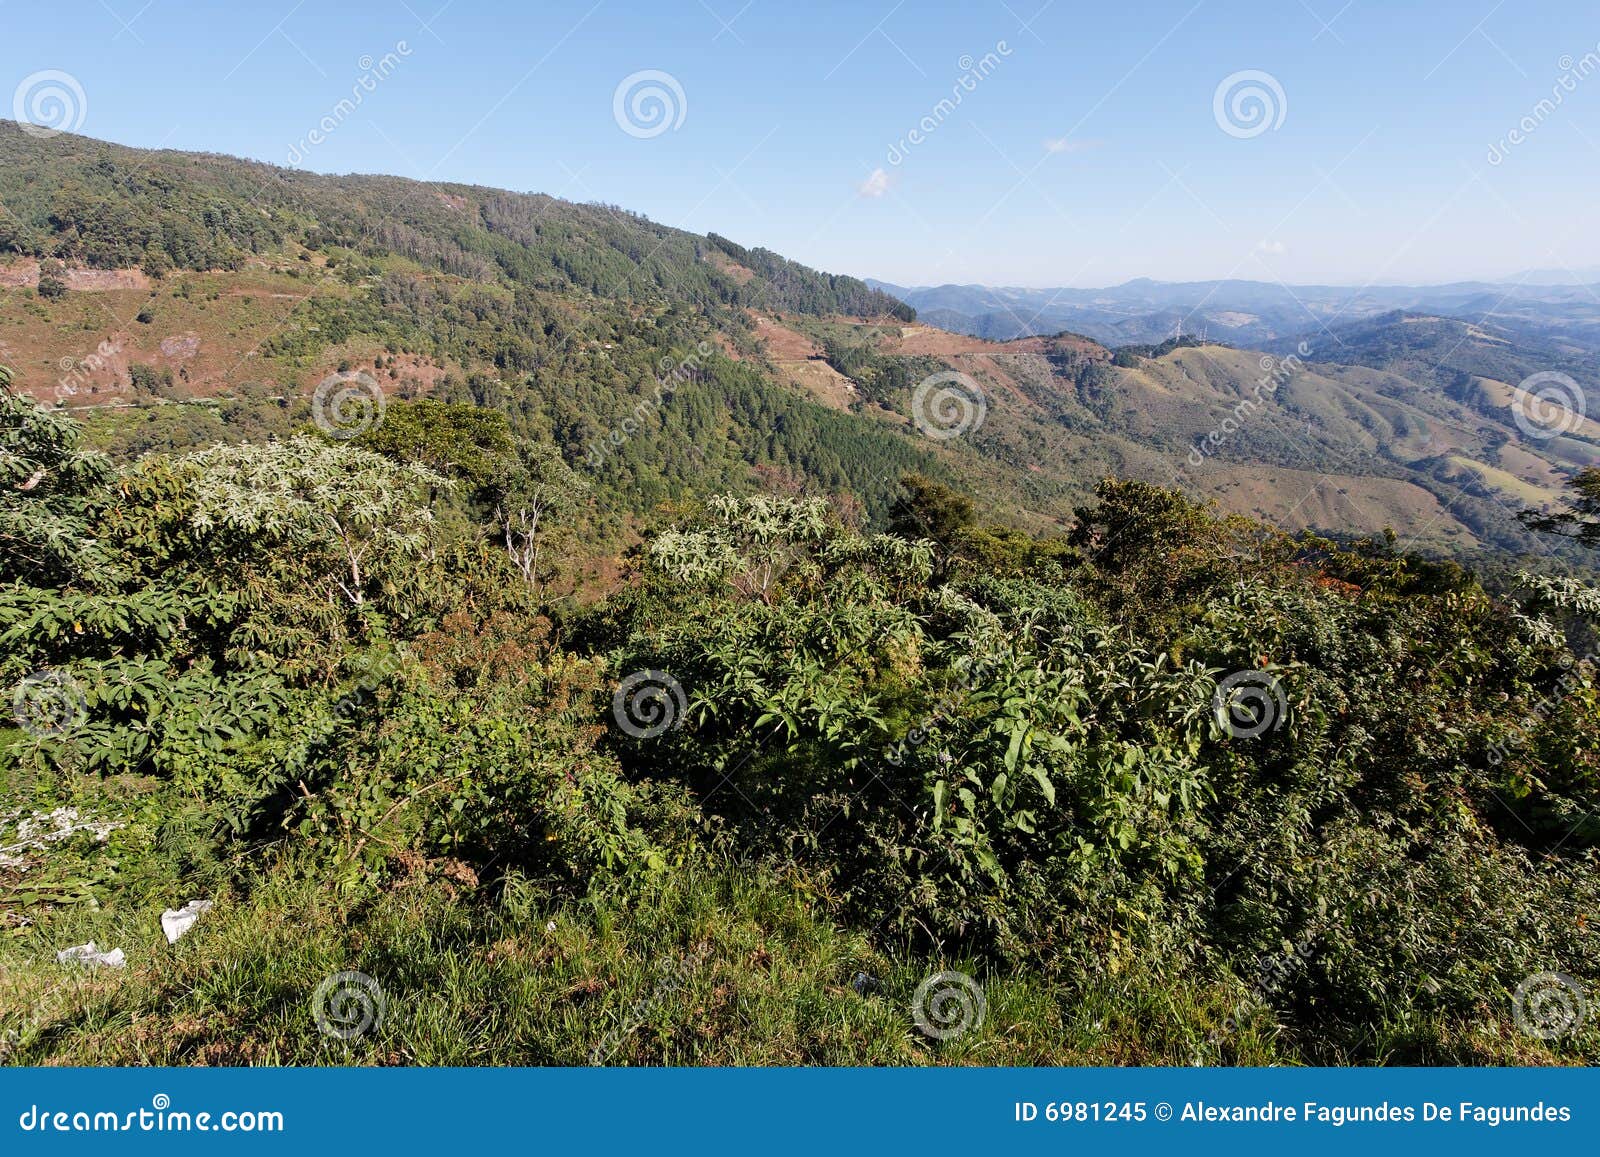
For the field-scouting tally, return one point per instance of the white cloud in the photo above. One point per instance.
(876, 184)
(1272, 248)
(1066, 145)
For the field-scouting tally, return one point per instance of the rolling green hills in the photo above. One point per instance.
(185, 299)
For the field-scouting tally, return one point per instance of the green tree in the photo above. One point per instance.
(459, 441)
(45, 481)
(930, 510)
(1580, 520)
(354, 519)
(536, 489)
(52, 279)
(147, 379)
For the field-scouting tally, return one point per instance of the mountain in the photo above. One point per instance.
(1293, 440)
(1588, 275)
(1443, 351)
(1248, 313)
(172, 300)
(233, 288)
(110, 207)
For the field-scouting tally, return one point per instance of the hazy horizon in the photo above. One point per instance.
(1516, 278)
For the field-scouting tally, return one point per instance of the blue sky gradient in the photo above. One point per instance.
(1409, 143)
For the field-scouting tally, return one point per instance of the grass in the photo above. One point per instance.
(733, 966)
(715, 965)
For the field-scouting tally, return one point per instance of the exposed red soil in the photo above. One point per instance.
(25, 274)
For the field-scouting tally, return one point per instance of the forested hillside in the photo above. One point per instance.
(110, 207)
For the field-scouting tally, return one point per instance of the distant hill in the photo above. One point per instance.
(1443, 350)
(1588, 275)
(1248, 313)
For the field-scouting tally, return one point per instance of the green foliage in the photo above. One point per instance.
(967, 746)
(329, 683)
(1581, 519)
(148, 379)
(115, 208)
(466, 442)
(44, 483)
(1131, 355)
(990, 763)
(535, 492)
(878, 378)
(793, 286)
(931, 510)
(349, 519)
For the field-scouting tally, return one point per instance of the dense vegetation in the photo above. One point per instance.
(1172, 787)
(110, 207)
(605, 697)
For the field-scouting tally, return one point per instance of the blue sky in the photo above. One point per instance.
(1090, 149)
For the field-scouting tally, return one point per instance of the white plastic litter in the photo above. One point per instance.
(91, 955)
(176, 921)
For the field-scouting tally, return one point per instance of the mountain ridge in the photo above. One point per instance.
(1243, 312)
(180, 300)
